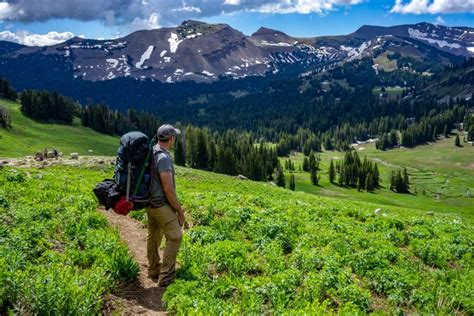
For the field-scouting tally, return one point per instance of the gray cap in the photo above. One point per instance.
(166, 131)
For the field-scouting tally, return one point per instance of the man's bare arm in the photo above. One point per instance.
(167, 183)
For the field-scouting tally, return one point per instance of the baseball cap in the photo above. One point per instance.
(166, 131)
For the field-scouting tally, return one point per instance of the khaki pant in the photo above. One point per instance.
(163, 221)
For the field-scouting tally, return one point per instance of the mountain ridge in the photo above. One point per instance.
(204, 52)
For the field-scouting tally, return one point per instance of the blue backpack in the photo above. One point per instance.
(133, 167)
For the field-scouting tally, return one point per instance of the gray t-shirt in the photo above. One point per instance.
(162, 162)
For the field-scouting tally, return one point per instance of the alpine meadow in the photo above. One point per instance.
(237, 158)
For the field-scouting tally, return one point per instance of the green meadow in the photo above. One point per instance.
(441, 176)
(28, 137)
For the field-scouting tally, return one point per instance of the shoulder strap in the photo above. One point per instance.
(145, 165)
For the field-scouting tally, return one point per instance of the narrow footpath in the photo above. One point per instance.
(143, 296)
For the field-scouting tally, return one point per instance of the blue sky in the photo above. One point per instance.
(30, 22)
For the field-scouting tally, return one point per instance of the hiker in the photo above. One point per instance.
(165, 214)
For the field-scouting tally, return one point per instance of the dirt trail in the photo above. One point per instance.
(142, 297)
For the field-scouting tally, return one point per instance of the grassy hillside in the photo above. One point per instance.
(28, 137)
(440, 176)
(58, 255)
(250, 248)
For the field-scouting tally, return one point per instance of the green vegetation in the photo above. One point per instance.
(441, 177)
(28, 136)
(253, 248)
(57, 254)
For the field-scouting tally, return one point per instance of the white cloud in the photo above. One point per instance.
(152, 22)
(124, 12)
(440, 21)
(25, 38)
(5, 10)
(304, 6)
(433, 7)
(187, 8)
(232, 2)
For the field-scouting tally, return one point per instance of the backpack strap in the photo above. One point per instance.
(129, 180)
(145, 166)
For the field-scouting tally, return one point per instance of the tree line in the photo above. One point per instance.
(400, 182)
(231, 153)
(6, 92)
(105, 120)
(45, 106)
(353, 172)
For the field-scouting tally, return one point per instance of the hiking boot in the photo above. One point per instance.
(165, 283)
(153, 277)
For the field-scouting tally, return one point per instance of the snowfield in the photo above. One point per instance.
(145, 56)
(174, 42)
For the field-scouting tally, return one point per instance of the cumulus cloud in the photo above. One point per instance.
(29, 39)
(304, 6)
(439, 21)
(122, 12)
(433, 7)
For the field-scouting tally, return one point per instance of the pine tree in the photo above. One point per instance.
(376, 176)
(369, 182)
(305, 164)
(332, 172)
(393, 180)
(446, 132)
(406, 181)
(292, 182)
(457, 141)
(399, 187)
(314, 176)
(179, 157)
(280, 176)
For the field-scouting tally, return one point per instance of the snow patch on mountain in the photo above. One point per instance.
(111, 63)
(207, 73)
(163, 53)
(145, 56)
(193, 35)
(281, 44)
(417, 34)
(470, 49)
(358, 51)
(174, 42)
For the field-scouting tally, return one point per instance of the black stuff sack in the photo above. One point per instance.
(108, 193)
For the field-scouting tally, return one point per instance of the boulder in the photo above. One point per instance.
(39, 156)
(431, 213)
(241, 177)
(74, 156)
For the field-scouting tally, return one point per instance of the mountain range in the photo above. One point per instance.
(203, 52)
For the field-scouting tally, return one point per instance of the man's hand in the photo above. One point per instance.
(166, 178)
(180, 214)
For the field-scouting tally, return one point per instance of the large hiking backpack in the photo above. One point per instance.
(133, 167)
(132, 176)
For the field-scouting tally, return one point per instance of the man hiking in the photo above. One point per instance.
(165, 214)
